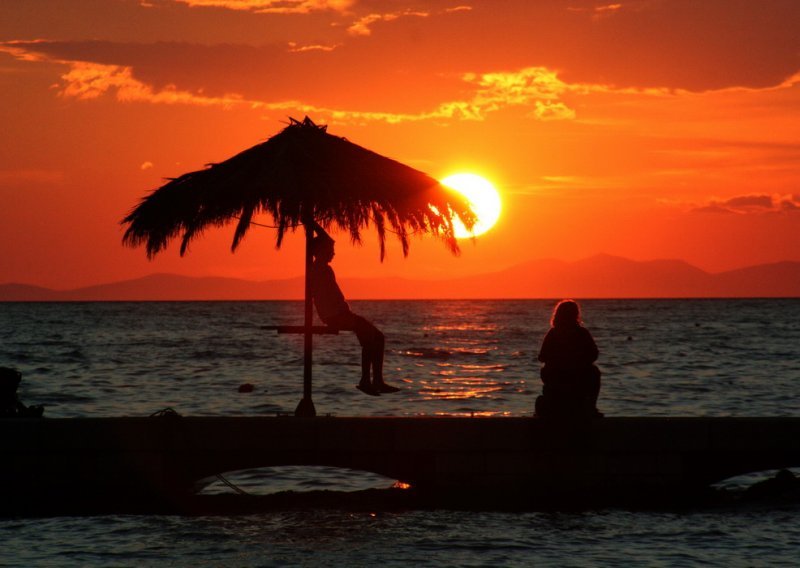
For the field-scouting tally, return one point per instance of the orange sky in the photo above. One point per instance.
(646, 129)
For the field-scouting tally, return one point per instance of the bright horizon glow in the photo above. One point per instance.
(483, 198)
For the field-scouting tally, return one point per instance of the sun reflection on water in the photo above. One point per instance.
(456, 363)
(461, 327)
(473, 413)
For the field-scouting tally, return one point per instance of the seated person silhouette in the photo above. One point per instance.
(570, 377)
(334, 311)
(10, 404)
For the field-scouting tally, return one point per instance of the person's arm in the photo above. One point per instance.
(590, 347)
(544, 352)
(328, 297)
(319, 231)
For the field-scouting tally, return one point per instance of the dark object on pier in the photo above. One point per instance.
(10, 405)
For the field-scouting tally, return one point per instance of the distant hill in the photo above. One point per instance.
(175, 287)
(601, 276)
(162, 287)
(25, 292)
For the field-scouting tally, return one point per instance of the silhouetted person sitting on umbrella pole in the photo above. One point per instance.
(334, 311)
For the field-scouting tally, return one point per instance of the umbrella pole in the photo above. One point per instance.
(306, 406)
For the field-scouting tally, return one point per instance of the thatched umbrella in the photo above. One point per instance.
(301, 176)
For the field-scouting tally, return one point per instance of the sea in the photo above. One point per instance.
(703, 357)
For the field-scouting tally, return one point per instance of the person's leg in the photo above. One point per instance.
(351, 322)
(594, 390)
(377, 350)
(373, 344)
(594, 384)
(366, 362)
(364, 332)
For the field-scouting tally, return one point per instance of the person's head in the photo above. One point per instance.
(322, 248)
(566, 312)
(9, 381)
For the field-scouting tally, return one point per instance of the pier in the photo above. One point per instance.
(452, 458)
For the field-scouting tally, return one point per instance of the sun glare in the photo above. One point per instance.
(483, 198)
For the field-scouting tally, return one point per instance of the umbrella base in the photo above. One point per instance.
(305, 409)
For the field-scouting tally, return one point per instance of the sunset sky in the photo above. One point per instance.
(646, 129)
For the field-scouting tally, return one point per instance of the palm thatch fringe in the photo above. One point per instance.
(301, 174)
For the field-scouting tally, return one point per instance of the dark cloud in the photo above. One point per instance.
(264, 73)
(166, 20)
(750, 201)
(744, 204)
(692, 45)
(675, 44)
(713, 208)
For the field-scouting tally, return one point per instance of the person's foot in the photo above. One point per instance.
(385, 388)
(367, 388)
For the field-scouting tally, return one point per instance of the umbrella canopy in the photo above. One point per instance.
(300, 175)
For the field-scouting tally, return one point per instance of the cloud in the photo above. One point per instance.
(361, 27)
(752, 204)
(597, 12)
(97, 69)
(713, 208)
(518, 87)
(25, 50)
(536, 88)
(294, 47)
(546, 110)
(273, 6)
(541, 88)
(86, 81)
(694, 46)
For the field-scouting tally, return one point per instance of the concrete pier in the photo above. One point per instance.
(460, 458)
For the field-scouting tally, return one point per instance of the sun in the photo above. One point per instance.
(483, 198)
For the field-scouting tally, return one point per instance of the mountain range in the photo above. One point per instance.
(601, 276)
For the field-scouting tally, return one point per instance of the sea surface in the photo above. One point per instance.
(464, 358)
